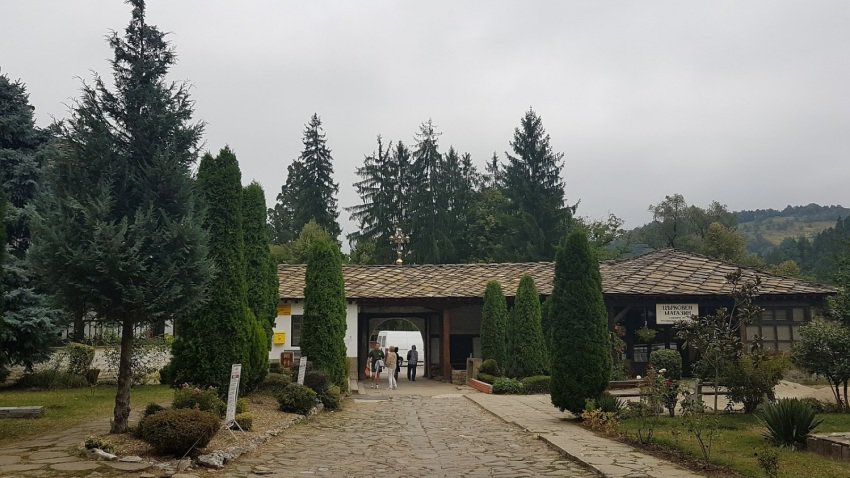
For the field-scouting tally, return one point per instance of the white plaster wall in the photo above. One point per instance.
(283, 323)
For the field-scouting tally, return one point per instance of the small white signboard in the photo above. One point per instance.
(669, 314)
(233, 393)
(302, 370)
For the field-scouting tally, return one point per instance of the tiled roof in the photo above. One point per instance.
(662, 272)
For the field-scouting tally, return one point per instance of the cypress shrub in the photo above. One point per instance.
(256, 354)
(178, 431)
(296, 398)
(217, 335)
(526, 351)
(494, 318)
(546, 325)
(581, 358)
(323, 332)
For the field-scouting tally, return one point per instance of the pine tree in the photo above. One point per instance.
(494, 321)
(313, 187)
(218, 333)
(581, 353)
(117, 226)
(533, 184)
(27, 323)
(429, 239)
(323, 332)
(526, 349)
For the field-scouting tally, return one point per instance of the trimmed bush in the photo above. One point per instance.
(788, 422)
(317, 381)
(244, 420)
(526, 349)
(581, 351)
(52, 379)
(490, 367)
(274, 383)
(152, 408)
(204, 400)
(669, 360)
(176, 431)
(494, 320)
(94, 441)
(536, 384)
(507, 386)
(331, 397)
(241, 405)
(296, 398)
(487, 378)
(80, 357)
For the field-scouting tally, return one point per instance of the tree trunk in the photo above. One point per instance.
(121, 413)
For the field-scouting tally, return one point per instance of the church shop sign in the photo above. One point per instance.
(669, 314)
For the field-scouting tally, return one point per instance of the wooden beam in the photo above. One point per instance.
(445, 343)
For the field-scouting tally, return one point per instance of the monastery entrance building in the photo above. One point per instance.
(444, 302)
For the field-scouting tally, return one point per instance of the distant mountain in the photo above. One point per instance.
(764, 229)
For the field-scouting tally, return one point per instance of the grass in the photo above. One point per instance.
(70, 407)
(740, 438)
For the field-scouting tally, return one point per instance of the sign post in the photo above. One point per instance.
(302, 370)
(232, 396)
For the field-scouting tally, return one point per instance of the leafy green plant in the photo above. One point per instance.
(670, 395)
(507, 386)
(274, 383)
(296, 398)
(94, 441)
(331, 397)
(668, 360)
(487, 378)
(206, 400)
(241, 405)
(317, 381)
(178, 431)
(650, 405)
(51, 379)
(768, 460)
(646, 335)
(703, 426)
(491, 367)
(599, 420)
(244, 420)
(609, 403)
(80, 357)
(536, 384)
(788, 422)
(753, 377)
(152, 408)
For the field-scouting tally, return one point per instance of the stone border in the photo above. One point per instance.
(482, 387)
(825, 446)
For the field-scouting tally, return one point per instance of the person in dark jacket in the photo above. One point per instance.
(412, 362)
(397, 364)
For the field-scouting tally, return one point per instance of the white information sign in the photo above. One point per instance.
(669, 314)
(302, 370)
(233, 393)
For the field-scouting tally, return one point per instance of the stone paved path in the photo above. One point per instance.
(535, 413)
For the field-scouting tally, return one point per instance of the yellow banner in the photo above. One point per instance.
(284, 309)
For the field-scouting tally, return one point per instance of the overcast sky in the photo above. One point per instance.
(747, 103)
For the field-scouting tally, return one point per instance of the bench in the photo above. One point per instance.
(21, 412)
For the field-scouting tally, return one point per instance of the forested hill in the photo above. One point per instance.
(764, 229)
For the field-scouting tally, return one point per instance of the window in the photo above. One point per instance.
(295, 333)
(777, 328)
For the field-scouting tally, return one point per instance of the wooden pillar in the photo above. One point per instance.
(445, 343)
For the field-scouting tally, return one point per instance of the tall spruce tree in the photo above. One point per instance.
(323, 332)
(429, 241)
(27, 322)
(116, 224)
(533, 184)
(281, 220)
(218, 334)
(494, 321)
(526, 348)
(581, 353)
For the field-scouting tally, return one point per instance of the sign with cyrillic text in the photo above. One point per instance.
(669, 314)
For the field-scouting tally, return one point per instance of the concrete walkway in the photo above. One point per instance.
(536, 414)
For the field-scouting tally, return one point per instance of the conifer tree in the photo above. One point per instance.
(429, 241)
(218, 333)
(526, 349)
(116, 228)
(27, 322)
(494, 321)
(533, 184)
(281, 221)
(323, 332)
(581, 354)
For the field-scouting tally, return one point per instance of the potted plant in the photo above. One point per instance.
(646, 335)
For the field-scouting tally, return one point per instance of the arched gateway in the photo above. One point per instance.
(445, 301)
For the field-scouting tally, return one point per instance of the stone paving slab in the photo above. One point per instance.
(607, 457)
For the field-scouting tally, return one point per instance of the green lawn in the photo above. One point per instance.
(740, 437)
(66, 408)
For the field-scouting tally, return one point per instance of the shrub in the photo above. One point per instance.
(275, 367)
(316, 381)
(526, 348)
(490, 367)
(204, 400)
(168, 374)
(494, 320)
(51, 379)
(536, 384)
(152, 408)
(241, 405)
(274, 383)
(177, 431)
(668, 360)
(80, 358)
(609, 403)
(768, 460)
(4, 374)
(487, 378)
(244, 420)
(91, 376)
(296, 398)
(94, 441)
(331, 397)
(788, 422)
(599, 420)
(752, 377)
(507, 386)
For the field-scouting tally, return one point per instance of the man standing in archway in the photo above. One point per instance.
(412, 362)
(376, 361)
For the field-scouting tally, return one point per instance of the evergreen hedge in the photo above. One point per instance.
(581, 358)
(526, 349)
(494, 318)
(323, 332)
(261, 272)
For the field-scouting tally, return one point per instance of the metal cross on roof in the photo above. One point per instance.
(399, 239)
